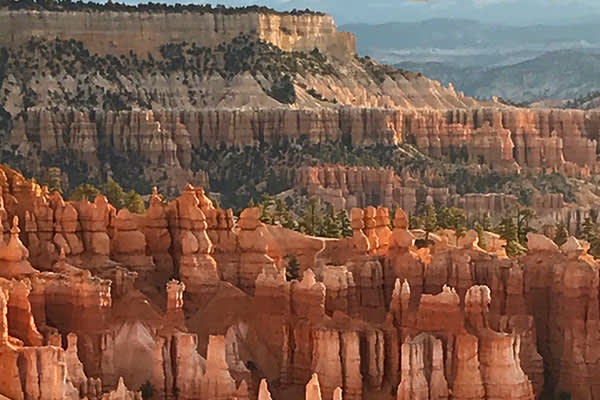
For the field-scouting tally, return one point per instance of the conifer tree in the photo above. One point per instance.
(331, 226)
(52, 178)
(393, 211)
(485, 221)
(134, 203)
(266, 205)
(114, 193)
(293, 268)
(524, 218)
(458, 222)
(344, 221)
(590, 234)
(445, 218)
(561, 235)
(480, 234)
(312, 220)
(430, 223)
(85, 191)
(508, 230)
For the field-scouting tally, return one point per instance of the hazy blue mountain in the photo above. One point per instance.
(468, 34)
(562, 74)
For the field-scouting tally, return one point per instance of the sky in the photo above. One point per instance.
(511, 12)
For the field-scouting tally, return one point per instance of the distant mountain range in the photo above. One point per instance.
(561, 74)
(467, 42)
(520, 64)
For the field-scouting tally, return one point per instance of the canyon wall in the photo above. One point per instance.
(107, 32)
(504, 138)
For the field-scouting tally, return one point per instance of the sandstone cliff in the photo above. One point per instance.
(109, 32)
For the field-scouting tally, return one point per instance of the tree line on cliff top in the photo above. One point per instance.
(68, 5)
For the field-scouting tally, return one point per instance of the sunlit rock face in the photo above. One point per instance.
(455, 321)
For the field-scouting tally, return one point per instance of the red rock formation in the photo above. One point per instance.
(128, 244)
(192, 246)
(217, 383)
(351, 187)
(158, 238)
(334, 322)
(254, 249)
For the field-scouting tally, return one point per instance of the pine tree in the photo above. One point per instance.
(266, 205)
(524, 218)
(445, 218)
(589, 230)
(415, 222)
(344, 220)
(508, 230)
(147, 389)
(561, 235)
(331, 225)
(458, 223)
(485, 221)
(590, 234)
(280, 213)
(85, 191)
(134, 203)
(393, 212)
(52, 178)
(293, 268)
(114, 193)
(312, 221)
(430, 223)
(481, 234)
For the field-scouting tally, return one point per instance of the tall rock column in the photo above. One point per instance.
(366, 270)
(217, 383)
(227, 252)
(157, 233)
(351, 365)
(20, 318)
(402, 262)
(192, 246)
(326, 360)
(254, 247)
(413, 385)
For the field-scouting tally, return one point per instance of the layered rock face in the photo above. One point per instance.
(145, 32)
(497, 136)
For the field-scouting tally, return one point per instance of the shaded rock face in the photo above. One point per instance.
(350, 187)
(198, 305)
